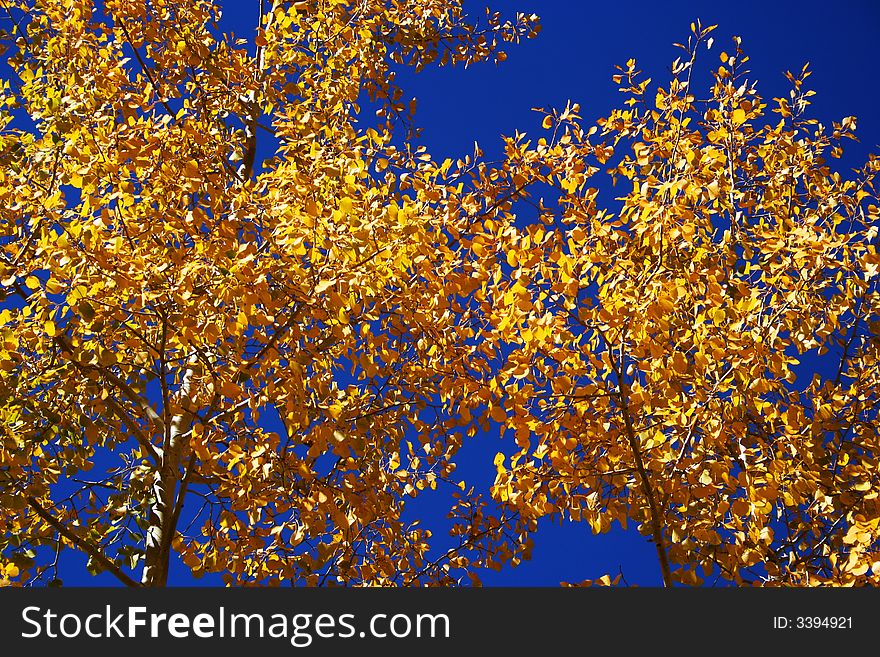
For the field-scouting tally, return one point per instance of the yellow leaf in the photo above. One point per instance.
(32, 282)
(53, 286)
(323, 286)
(51, 329)
(548, 122)
(739, 116)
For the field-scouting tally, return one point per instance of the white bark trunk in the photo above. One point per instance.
(165, 479)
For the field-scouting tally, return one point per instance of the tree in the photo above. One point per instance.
(251, 367)
(239, 363)
(648, 354)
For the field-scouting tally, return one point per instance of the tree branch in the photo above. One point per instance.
(656, 529)
(144, 68)
(246, 169)
(86, 547)
(121, 385)
(139, 435)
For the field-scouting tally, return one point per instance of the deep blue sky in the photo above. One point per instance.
(573, 58)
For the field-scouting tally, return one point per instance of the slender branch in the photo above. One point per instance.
(86, 547)
(163, 374)
(121, 385)
(647, 489)
(16, 24)
(139, 435)
(654, 508)
(188, 477)
(146, 70)
(120, 412)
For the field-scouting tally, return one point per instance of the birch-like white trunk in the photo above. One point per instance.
(165, 481)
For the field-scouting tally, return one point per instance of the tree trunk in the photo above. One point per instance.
(162, 518)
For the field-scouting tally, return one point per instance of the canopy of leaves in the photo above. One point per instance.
(254, 366)
(649, 353)
(210, 356)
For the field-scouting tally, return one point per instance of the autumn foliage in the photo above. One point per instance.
(252, 366)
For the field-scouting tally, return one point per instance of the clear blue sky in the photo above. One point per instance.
(573, 58)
